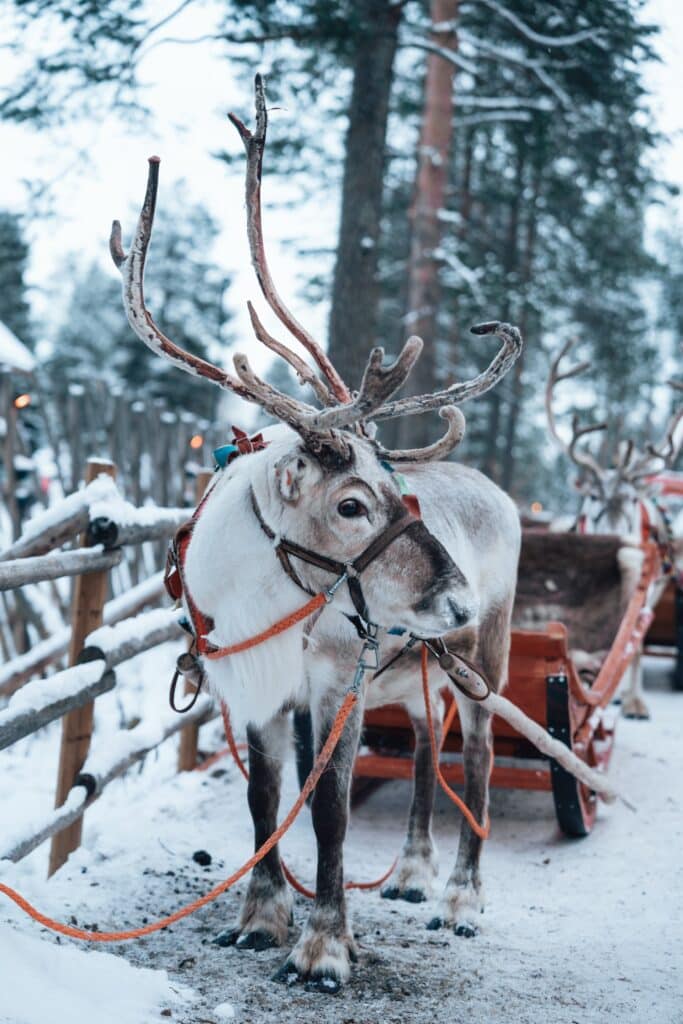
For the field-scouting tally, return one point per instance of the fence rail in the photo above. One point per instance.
(101, 638)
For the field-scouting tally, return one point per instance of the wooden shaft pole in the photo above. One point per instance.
(88, 602)
(189, 736)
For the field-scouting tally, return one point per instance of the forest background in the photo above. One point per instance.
(430, 165)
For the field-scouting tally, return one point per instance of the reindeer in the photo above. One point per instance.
(317, 495)
(618, 498)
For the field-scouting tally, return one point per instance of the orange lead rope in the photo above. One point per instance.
(349, 702)
(135, 933)
(280, 627)
(291, 878)
(480, 830)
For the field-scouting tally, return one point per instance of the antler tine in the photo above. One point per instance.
(666, 451)
(132, 268)
(625, 455)
(460, 392)
(379, 383)
(582, 457)
(555, 376)
(302, 369)
(287, 409)
(433, 452)
(254, 144)
(668, 448)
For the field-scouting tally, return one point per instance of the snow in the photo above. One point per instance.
(225, 1010)
(101, 498)
(43, 982)
(40, 693)
(13, 353)
(102, 489)
(587, 931)
(108, 638)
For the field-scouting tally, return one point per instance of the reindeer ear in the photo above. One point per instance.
(294, 474)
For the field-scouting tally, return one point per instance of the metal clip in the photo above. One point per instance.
(368, 659)
(329, 594)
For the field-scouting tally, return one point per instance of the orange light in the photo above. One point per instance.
(536, 507)
(21, 401)
(196, 441)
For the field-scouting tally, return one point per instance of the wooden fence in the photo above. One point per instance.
(102, 636)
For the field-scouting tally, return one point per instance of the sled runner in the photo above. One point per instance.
(580, 616)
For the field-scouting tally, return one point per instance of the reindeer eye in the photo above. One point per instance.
(350, 508)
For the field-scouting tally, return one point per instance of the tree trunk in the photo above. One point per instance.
(431, 183)
(492, 463)
(510, 456)
(354, 292)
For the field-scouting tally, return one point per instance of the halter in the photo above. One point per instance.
(201, 625)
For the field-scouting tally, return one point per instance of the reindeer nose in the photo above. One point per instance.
(461, 616)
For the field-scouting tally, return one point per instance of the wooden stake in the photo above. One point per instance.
(189, 737)
(88, 602)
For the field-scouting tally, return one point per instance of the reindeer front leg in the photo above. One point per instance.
(322, 956)
(267, 908)
(463, 899)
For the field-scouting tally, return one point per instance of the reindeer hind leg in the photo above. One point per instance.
(417, 866)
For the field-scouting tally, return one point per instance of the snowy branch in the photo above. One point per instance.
(469, 276)
(538, 37)
(486, 49)
(449, 55)
(505, 103)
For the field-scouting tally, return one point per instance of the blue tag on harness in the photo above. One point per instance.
(222, 454)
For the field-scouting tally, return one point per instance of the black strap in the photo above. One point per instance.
(289, 548)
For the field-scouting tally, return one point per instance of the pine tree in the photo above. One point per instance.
(14, 252)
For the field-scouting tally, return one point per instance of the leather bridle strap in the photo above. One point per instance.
(351, 570)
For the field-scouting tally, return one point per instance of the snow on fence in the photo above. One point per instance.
(102, 637)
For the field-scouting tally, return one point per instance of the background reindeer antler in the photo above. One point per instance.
(579, 456)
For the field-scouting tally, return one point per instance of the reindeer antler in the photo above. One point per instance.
(246, 384)
(579, 456)
(461, 392)
(318, 427)
(666, 450)
(436, 451)
(254, 144)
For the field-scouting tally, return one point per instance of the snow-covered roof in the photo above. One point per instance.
(13, 353)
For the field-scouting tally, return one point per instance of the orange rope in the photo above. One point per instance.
(480, 830)
(253, 641)
(135, 933)
(289, 875)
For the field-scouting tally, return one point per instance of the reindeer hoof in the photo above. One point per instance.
(325, 983)
(228, 937)
(286, 974)
(435, 924)
(256, 940)
(414, 896)
(465, 930)
(635, 709)
(390, 892)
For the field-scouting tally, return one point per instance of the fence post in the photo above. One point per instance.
(89, 595)
(189, 736)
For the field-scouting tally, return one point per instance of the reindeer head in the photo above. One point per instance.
(321, 483)
(612, 494)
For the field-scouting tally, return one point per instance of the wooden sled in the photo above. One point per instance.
(574, 605)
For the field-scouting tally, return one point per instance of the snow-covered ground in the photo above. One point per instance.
(575, 931)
